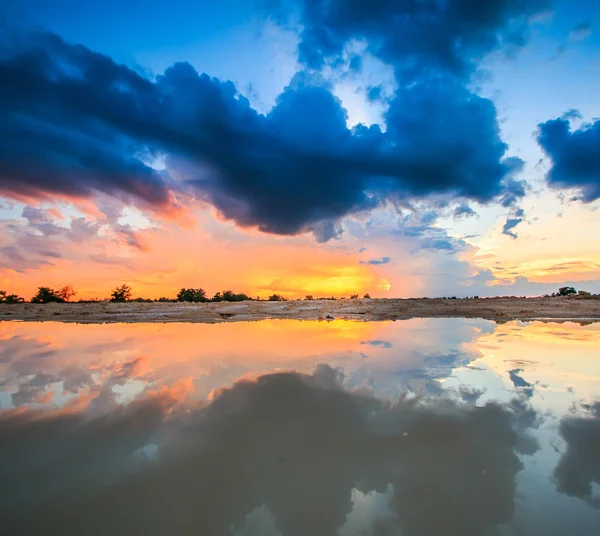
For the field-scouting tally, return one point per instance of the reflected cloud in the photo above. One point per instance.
(524, 386)
(283, 427)
(579, 467)
(294, 450)
(94, 359)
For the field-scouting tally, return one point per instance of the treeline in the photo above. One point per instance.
(124, 293)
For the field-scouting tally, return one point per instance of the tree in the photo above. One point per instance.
(276, 297)
(566, 291)
(121, 294)
(66, 293)
(354, 297)
(46, 295)
(309, 298)
(10, 298)
(194, 295)
(367, 297)
(230, 296)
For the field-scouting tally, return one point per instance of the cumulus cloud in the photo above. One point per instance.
(575, 155)
(293, 444)
(77, 123)
(416, 36)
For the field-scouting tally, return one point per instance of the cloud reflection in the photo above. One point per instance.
(579, 467)
(297, 446)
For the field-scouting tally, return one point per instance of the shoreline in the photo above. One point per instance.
(574, 308)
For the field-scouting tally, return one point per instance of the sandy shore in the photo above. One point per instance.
(498, 309)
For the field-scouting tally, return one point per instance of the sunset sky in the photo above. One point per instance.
(401, 148)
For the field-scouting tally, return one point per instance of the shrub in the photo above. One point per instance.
(566, 291)
(276, 297)
(10, 298)
(194, 295)
(46, 295)
(121, 294)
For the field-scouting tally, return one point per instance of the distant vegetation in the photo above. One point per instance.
(10, 298)
(194, 295)
(230, 296)
(121, 294)
(124, 293)
(48, 295)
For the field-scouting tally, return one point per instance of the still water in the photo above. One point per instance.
(416, 427)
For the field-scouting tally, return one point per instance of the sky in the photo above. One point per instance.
(398, 148)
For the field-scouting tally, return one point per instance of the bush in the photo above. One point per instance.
(277, 297)
(194, 295)
(121, 294)
(46, 295)
(354, 297)
(366, 297)
(566, 291)
(309, 298)
(230, 296)
(10, 298)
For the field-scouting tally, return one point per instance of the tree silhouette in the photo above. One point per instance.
(230, 296)
(46, 295)
(366, 297)
(277, 297)
(566, 291)
(121, 294)
(10, 298)
(66, 293)
(194, 295)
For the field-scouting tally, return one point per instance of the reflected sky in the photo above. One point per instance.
(415, 427)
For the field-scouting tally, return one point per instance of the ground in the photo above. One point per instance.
(499, 309)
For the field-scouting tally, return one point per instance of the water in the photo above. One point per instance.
(417, 427)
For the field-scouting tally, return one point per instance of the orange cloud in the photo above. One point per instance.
(214, 255)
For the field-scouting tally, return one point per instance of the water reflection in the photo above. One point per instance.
(439, 426)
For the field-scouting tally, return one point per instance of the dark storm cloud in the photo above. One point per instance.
(579, 466)
(575, 155)
(416, 35)
(74, 122)
(294, 444)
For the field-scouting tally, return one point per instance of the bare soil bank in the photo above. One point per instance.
(577, 308)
